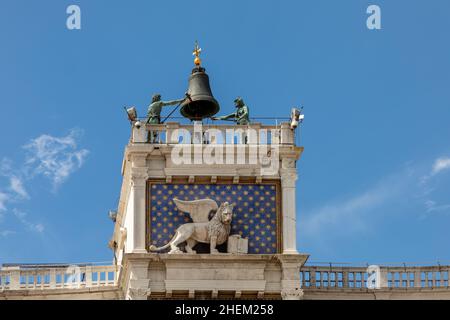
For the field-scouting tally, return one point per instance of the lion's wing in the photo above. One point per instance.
(197, 209)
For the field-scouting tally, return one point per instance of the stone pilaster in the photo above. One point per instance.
(288, 178)
(139, 176)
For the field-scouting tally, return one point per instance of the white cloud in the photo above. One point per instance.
(426, 182)
(440, 164)
(39, 227)
(22, 216)
(350, 210)
(357, 213)
(16, 185)
(5, 166)
(3, 199)
(432, 206)
(5, 233)
(55, 157)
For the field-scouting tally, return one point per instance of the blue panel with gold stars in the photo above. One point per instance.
(254, 214)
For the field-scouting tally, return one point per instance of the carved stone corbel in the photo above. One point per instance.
(139, 293)
(290, 278)
(292, 294)
(139, 289)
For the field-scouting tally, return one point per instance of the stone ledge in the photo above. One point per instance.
(384, 290)
(379, 294)
(64, 293)
(300, 258)
(57, 291)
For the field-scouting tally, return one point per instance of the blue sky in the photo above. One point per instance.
(374, 179)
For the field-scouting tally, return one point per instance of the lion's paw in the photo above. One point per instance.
(175, 251)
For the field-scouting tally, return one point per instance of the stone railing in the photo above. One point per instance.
(176, 133)
(42, 277)
(333, 277)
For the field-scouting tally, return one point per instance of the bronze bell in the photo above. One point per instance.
(200, 103)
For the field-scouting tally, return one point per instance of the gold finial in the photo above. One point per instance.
(196, 53)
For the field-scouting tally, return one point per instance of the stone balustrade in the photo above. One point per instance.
(435, 279)
(176, 133)
(399, 277)
(42, 277)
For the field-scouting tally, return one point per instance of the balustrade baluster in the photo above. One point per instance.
(312, 275)
(417, 279)
(433, 278)
(88, 276)
(345, 279)
(52, 279)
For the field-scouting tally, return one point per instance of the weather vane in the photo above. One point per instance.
(196, 53)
